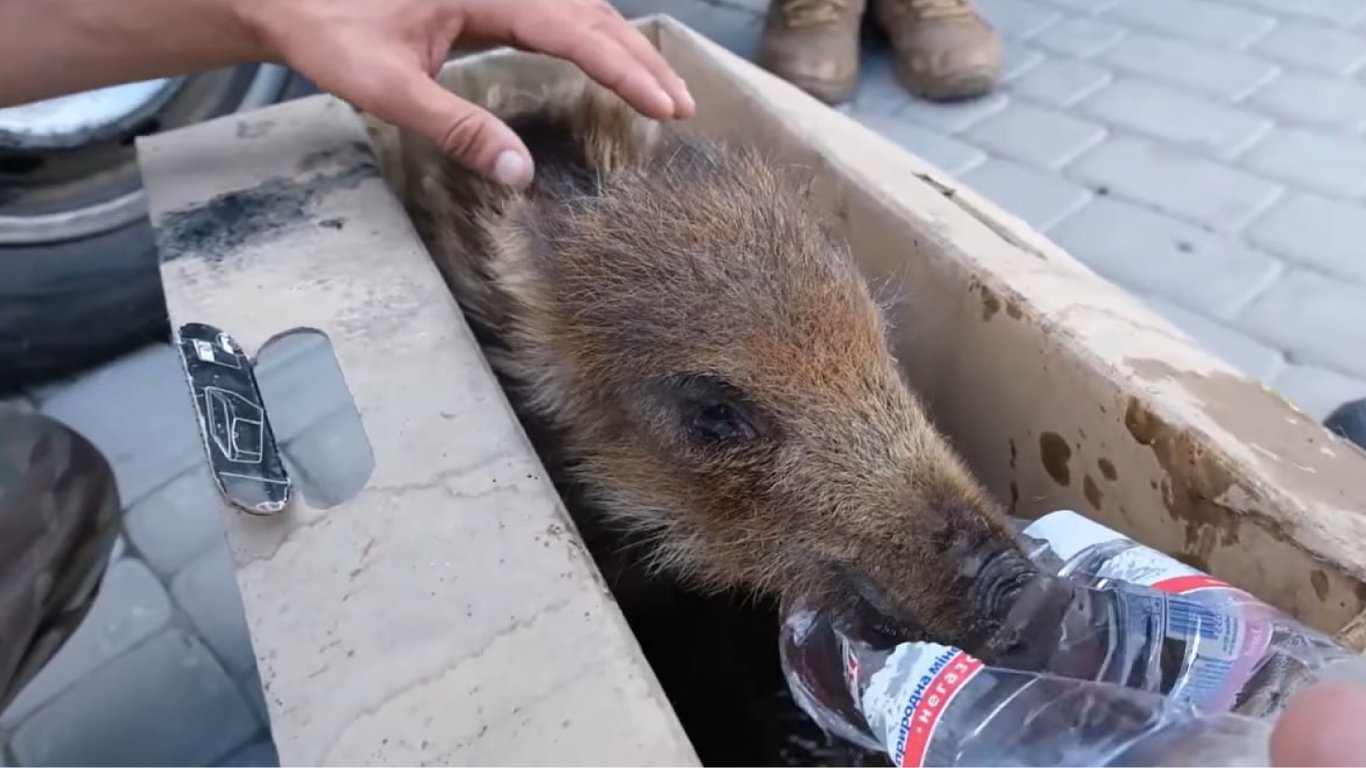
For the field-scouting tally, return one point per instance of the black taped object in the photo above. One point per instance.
(1349, 421)
(59, 519)
(241, 448)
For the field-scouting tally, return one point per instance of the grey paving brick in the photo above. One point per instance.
(1204, 22)
(1316, 231)
(634, 8)
(1340, 12)
(733, 28)
(1016, 61)
(957, 116)
(137, 411)
(17, 404)
(1219, 72)
(260, 754)
(1318, 391)
(1315, 318)
(1320, 101)
(946, 152)
(177, 521)
(1315, 47)
(331, 460)
(694, 13)
(1079, 37)
(301, 382)
(1152, 253)
(166, 702)
(1061, 82)
(1036, 136)
(1175, 181)
(207, 591)
(878, 91)
(756, 7)
(256, 697)
(131, 607)
(1239, 350)
(40, 393)
(1038, 197)
(1082, 6)
(1313, 159)
(1194, 122)
(1018, 19)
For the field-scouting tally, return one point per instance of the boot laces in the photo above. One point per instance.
(938, 9)
(809, 13)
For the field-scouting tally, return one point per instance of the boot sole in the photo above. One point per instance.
(827, 92)
(830, 94)
(961, 86)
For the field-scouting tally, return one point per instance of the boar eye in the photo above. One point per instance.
(720, 422)
(713, 412)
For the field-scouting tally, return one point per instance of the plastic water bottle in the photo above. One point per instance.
(924, 704)
(1248, 656)
(1175, 641)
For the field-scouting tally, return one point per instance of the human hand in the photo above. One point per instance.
(1322, 726)
(381, 55)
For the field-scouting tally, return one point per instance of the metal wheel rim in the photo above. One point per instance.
(267, 83)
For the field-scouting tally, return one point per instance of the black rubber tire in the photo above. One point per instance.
(1349, 421)
(70, 306)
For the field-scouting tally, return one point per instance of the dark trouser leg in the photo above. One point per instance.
(59, 517)
(1349, 420)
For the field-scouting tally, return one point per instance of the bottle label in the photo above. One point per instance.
(1150, 568)
(907, 699)
(1221, 646)
(1228, 630)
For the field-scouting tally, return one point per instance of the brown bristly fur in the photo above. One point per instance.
(649, 273)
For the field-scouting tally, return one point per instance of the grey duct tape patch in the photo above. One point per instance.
(213, 230)
(242, 453)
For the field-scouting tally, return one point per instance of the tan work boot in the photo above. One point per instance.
(944, 50)
(813, 44)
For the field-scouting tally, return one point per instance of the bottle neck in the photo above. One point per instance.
(1021, 609)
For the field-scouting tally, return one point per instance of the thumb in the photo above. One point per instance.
(1321, 726)
(470, 135)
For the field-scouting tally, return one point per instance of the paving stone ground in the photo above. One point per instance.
(1207, 155)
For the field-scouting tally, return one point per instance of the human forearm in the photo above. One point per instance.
(55, 47)
(377, 54)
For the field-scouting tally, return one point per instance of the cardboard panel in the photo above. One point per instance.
(415, 623)
(448, 614)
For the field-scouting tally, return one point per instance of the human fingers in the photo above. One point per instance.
(639, 46)
(469, 134)
(1322, 726)
(581, 32)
